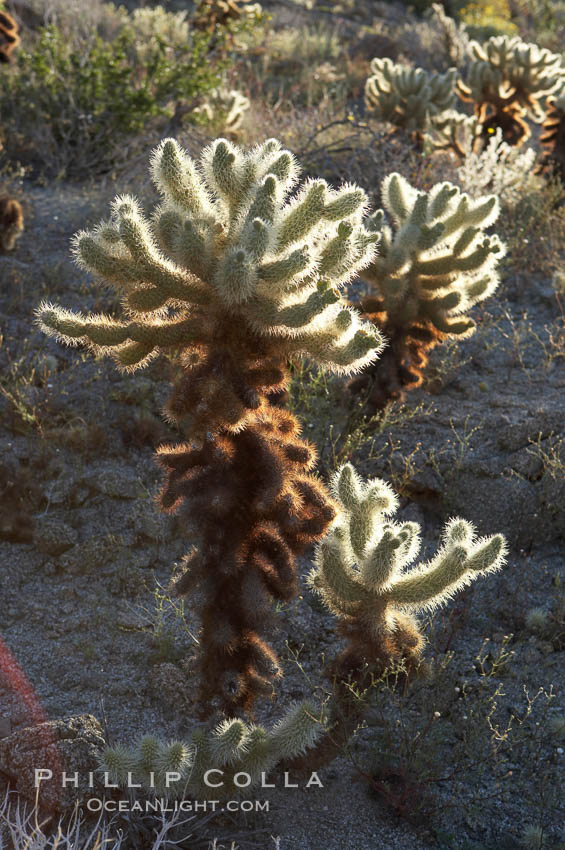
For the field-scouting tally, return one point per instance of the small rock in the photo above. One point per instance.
(52, 536)
(73, 745)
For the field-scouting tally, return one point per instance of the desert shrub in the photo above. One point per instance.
(485, 18)
(67, 109)
(499, 168)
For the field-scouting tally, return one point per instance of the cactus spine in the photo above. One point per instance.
(434, 265)
(237, 279)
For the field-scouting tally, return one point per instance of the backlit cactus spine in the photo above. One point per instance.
(237, 279)
(407, 97)
(364, 575)
(224, 761)
(433, 265)
(506, 82)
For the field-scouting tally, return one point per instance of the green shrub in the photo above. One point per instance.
(67, 109)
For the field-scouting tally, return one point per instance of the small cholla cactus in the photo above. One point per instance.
(553, 133)
(433, 265)
(9, 37)
(11, 223)
(155, 26)
(407, 97)
(236, 279)
(228, 105)
(538, 620)
(506, 81)
(454, 36)
(363, 574)
(212, 759)
(455, 131)
(213, 15)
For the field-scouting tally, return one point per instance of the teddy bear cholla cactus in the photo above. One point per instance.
(407, 97)
(434, 265)
(455, 131)
(227, 105)
(211, 14)
(363, 574)
(506, 81)
(251, 279)
(233, 747)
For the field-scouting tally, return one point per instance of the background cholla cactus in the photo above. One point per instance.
(253, 279)
(11, 223)
(434, 265)
(553, 135)
(454, 35)
(9, 37)
(407, 97)
(227, 105)
(212, 15)
(506, 80)
(361, 574)
(232, 747)
(455, 131)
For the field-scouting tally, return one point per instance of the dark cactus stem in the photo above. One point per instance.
(552, 140)
(9, 37)
(366, 659)
(401, 365)
(515, 130)
(252, 507)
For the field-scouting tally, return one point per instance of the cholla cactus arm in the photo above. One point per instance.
(407, 97)
(235, 276)
(363, 573)
(433, 265)
(176, 769)
(364, 557)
